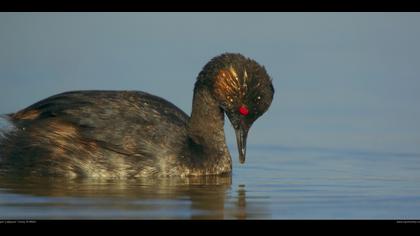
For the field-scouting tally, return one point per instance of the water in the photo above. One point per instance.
(275, 183)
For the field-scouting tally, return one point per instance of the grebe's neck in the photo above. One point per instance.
(205, 126)
(206, 138)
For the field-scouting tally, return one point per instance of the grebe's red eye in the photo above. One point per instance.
(243, 110)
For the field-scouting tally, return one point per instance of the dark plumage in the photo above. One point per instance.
(128, 134)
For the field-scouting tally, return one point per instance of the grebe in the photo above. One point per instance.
(129, 134)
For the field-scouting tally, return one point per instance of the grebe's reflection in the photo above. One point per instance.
(207, 197)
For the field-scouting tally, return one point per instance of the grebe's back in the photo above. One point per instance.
(94, 133)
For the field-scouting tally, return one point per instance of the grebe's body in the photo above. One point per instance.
(129, 134)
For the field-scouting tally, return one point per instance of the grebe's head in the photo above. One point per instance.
(243, 89)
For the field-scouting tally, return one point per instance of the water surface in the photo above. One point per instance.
(275, 183)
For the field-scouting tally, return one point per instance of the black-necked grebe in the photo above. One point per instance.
(128, 134)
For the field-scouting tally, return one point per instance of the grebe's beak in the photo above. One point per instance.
(241, 134)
